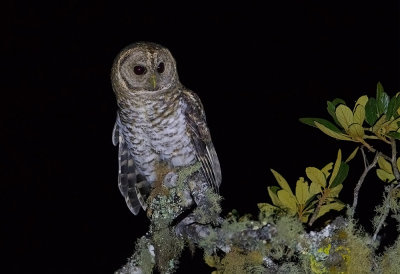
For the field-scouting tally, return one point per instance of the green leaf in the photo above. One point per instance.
(282, 182)
(316, 176)
(382, 99)
(344, 116)
(385, 165)
(288, 201)
(394, 134)
(302, 193)
(326, 123)
(336, 167)
(310, 202)
(371, 112)
(352, 155)
(333, 134)
(328, 207)
(342, 174)
(331, 110)
(338, 101)
(393, 106)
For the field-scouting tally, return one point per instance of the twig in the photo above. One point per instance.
(367, 168)
(386, 202)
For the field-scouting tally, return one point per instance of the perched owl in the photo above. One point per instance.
(159, 120)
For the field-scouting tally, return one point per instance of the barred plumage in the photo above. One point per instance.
(159, 120)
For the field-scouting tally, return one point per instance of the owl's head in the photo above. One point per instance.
(143, 68)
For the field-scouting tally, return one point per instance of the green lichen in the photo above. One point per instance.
(209, 212)
(389, 261)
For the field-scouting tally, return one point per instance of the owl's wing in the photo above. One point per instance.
(201, 138)
(127, 174)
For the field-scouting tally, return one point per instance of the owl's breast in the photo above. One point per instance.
(160, 133)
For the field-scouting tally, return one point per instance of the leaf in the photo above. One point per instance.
(384, 175)
(359, 114)
(326, 169)
(352, 155)
(267, 209)
(333, 134)
(281, 181)
(272, 191)
(338, 101)
(316, 176)
(344, 116)
(393, 106)
(356, 131)
(398, 163)
(371, 112)
(361, 101)
(310, 202)
(288, 201)
(342, 174)
(334, 192)
(302, 192)
(385, 165)
(328, 207)
(382, 99)
(326, 123)
(394, 134)
(331, 110)
(336, 167)
(315, 188)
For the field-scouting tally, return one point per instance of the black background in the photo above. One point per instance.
(257, 69)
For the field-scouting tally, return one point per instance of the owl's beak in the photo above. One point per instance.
(153, 81)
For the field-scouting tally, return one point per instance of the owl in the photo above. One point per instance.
(158, 121)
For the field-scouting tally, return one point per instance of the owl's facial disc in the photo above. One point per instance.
(147, 69)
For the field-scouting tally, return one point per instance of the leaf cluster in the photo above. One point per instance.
(321, 192)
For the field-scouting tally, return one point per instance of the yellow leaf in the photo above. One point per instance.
(378, 125)
(316, 176)
(385, 165)
(352, 155)
(356, 131)
(334, 192)
(282, 182)
(274, 198)
(384, 175)
(344, 116)
(336, 167)
(288, 201)
(267, 208)
(362, 101)
(302, 193)
(315, 188)
(326, 169)
(393, 126)
(332, 133)
(359, 115)
(332, 206)
(398, 162)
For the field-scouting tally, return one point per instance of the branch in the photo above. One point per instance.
(386, 203)
(367, 168)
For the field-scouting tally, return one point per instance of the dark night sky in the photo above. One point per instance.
(257, 70)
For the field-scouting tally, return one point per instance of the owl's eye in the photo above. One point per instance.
(139, 70)
(161, 67)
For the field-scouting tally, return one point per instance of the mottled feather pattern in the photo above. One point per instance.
(156, 124)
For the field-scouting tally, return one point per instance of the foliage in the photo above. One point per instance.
(317, 197)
